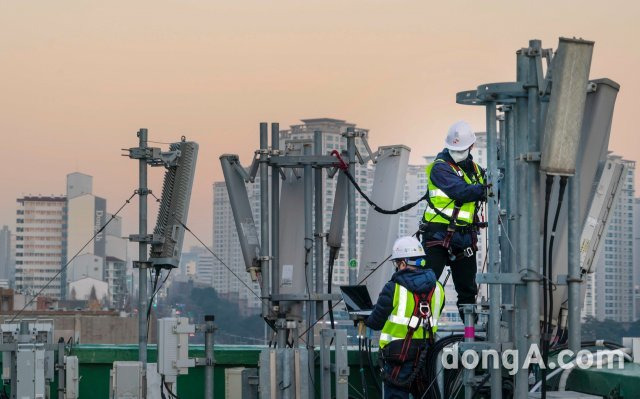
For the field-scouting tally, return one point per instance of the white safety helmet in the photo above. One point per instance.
(407, 247)
(460, 136)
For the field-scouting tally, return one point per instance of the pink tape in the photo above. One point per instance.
(469, 332)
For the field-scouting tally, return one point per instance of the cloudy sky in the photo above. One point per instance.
(78, 79)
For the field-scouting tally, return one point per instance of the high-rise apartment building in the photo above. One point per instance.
(86, 214)
(105, 257)
(636, 256)
(610, 289)
(225, 239)
(332, 139)
(188, 262)
(115, 270)
(415, 186)
(226, 245)
(7, 272)
(205, 268)
(40, 241)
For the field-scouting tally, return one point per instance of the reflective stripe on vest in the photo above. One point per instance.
(396, 326)
(462, 215)
(442, 202)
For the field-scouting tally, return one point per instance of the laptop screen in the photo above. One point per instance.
(356, 297)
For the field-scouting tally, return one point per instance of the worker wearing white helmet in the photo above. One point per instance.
(407, 312)
(450, 223)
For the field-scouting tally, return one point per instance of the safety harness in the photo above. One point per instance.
(421, 317)
(453, 222)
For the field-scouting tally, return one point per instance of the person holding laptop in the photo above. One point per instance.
(407, 312)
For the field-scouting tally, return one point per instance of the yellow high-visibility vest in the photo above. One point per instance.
(397, 324)
(444, 204)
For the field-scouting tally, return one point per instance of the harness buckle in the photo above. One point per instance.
(468, 252)
(413, 322)
(425, 310)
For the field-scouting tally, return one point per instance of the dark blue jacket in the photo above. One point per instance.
(419, 281)
(447, 180)
(456, 188)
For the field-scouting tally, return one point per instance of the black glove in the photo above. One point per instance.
(488, 190)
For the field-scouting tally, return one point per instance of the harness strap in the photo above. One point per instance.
(460, 172)
(457, 168)
(430, 244)
(466, 253)
(420, 302)
(426, 314)
(419, 364)
(453, 219)
(438, 211)
(474, 233)
(452, 226)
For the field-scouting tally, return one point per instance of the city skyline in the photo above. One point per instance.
(362, 198)
(412, 189)
(79, 86)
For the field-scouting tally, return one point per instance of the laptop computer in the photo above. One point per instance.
(357, 300)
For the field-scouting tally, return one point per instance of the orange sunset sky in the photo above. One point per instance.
(79, 78)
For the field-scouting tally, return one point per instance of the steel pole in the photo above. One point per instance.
(319, 223)
(493, 261)
(505, 222)
(308, 256)
(275, 237)
(143, 299)
(534, 203)
(502, 142)
(209, 356)
(351, 208)
(275, 213)
(264, 216)
(574, 279)
(319, 232)
(468, 374)
(533, 177)
(61, 370)
(511, 232)
(511, 185)
(521, 134)
(533, 200)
